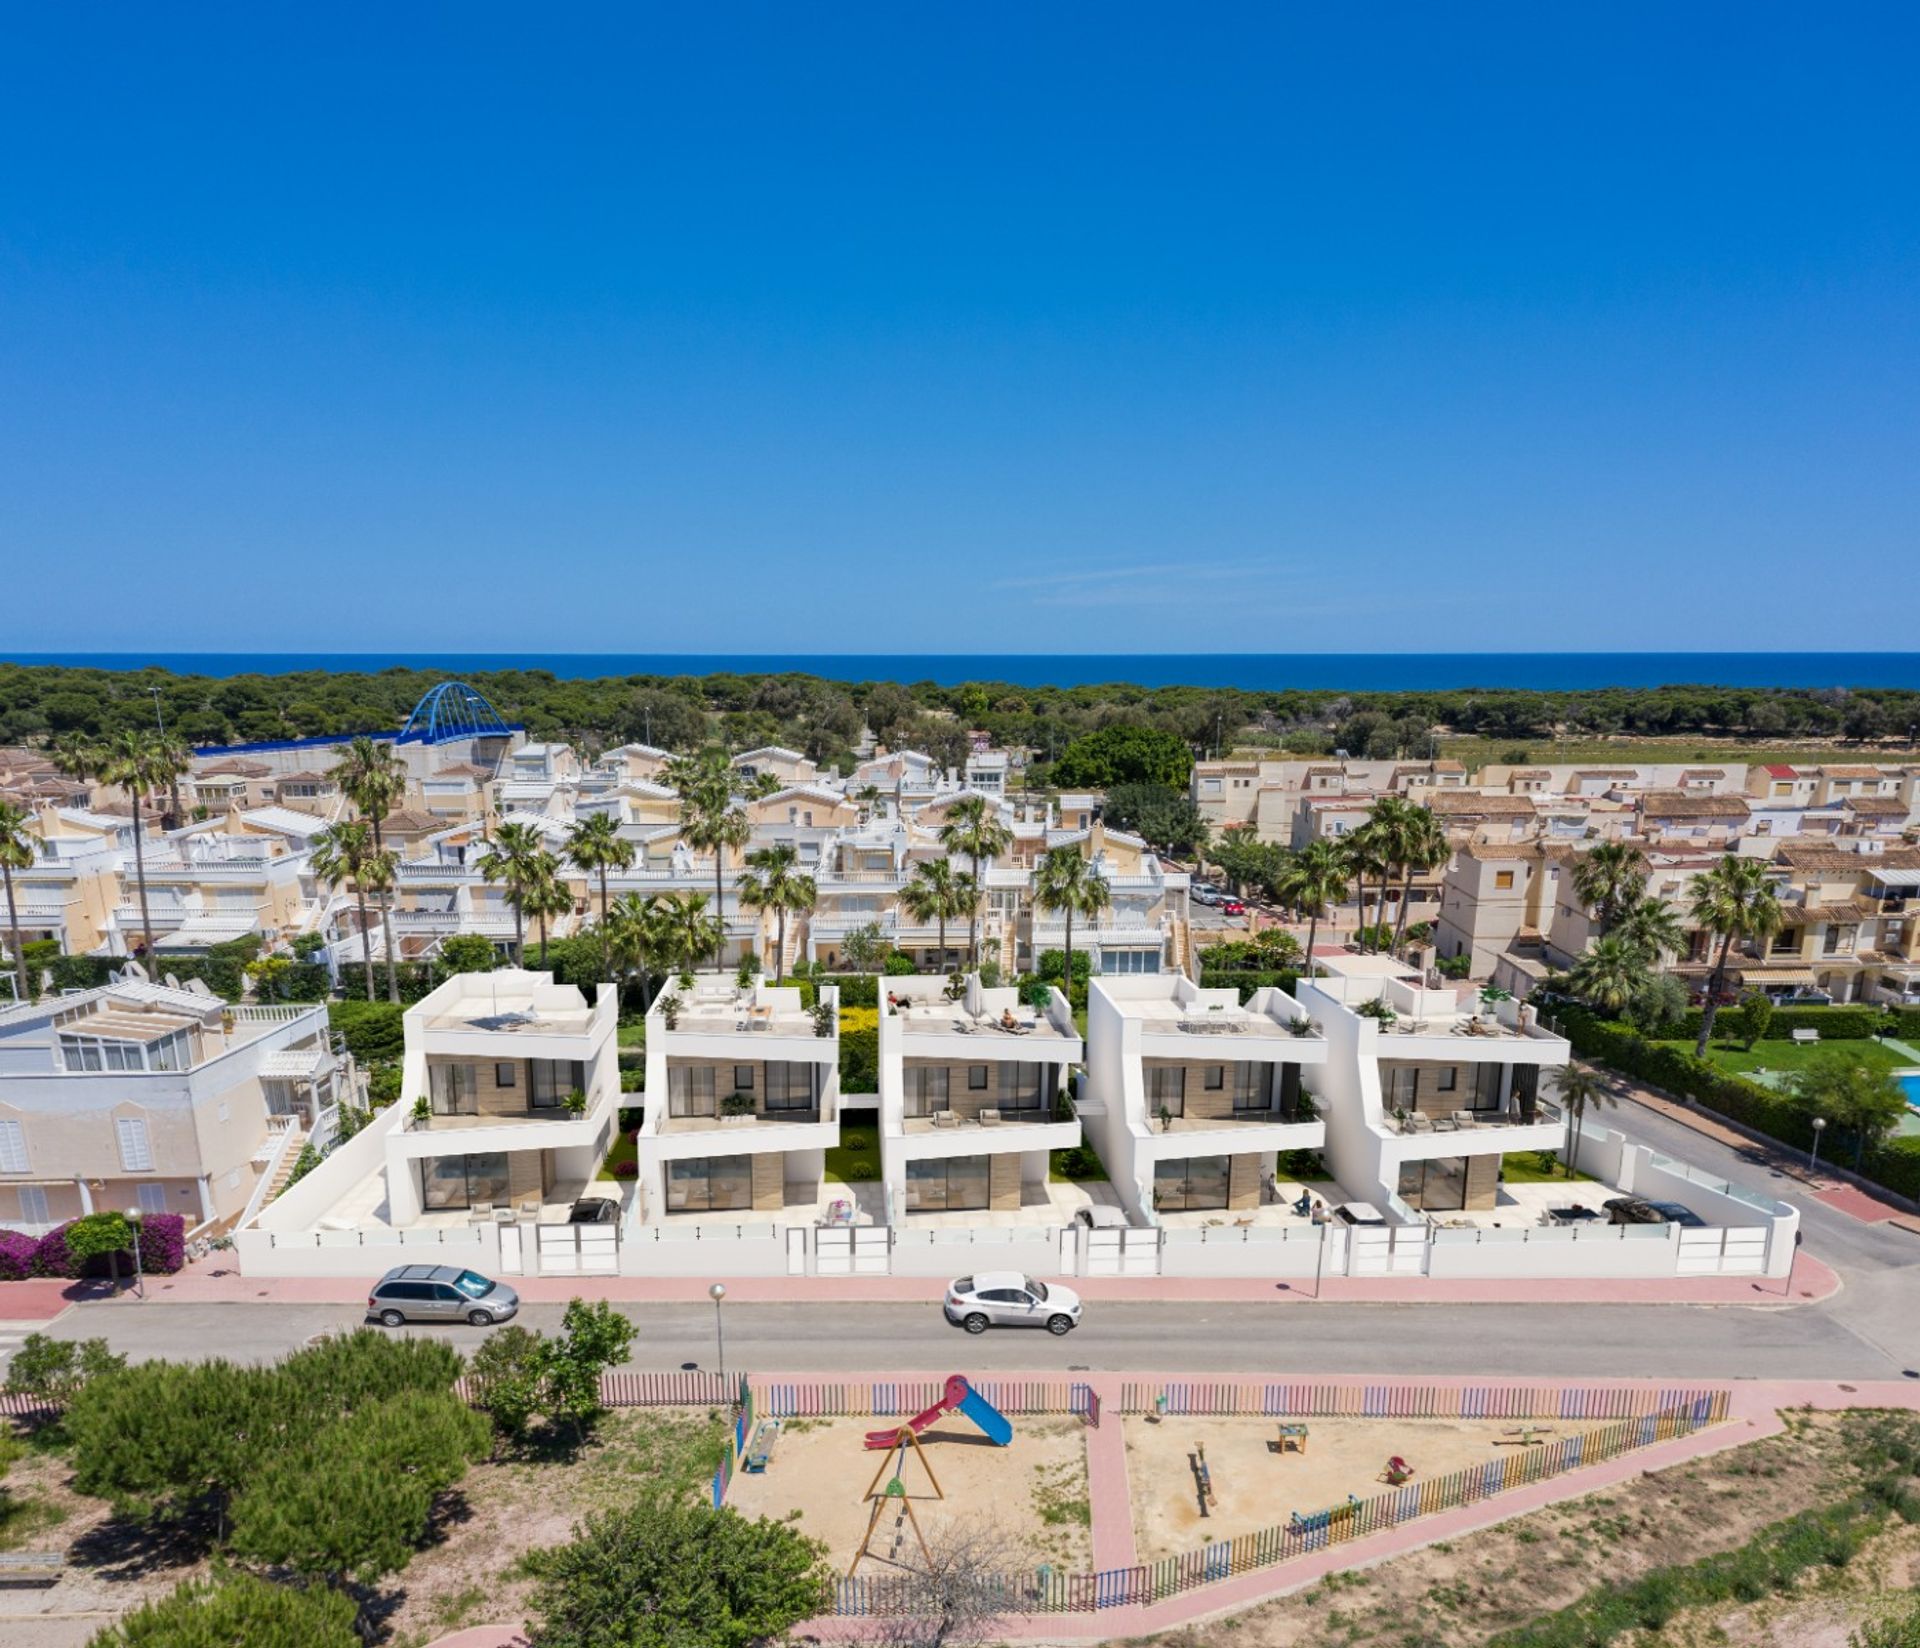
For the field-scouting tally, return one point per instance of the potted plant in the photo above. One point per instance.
(736, 1107)
(670, 1012)
(226, 1021)
(1301, 1027)
(421, 1111)
(575, 1103)
(747, 971)
(685, 980)
(1166, 1118)
(956, 986)
(823, 1019)
(1378, 1011)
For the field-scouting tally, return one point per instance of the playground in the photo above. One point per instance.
(1254, 1485)
(833, 1478)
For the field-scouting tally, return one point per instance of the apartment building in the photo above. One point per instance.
(208, 889)
(170, 1101)
(520, 1081)
(1425, 1089)
(971, 1100)
(1191, 1098)
(743, 1102)
(71, 891)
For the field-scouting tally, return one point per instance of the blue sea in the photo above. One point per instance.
(1255, 672)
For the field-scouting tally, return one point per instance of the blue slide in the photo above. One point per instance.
(996, 1425)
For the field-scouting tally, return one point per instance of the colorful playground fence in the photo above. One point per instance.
(1668, 1414)
(901, 1398)
(1218, 1398)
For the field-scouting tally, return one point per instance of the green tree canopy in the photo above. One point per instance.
(237, 1611)
(1124, 754)
(661, 1574)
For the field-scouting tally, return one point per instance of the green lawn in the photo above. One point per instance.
(634, 1034)
(1793, 1055)
(1080, 1165)
(856, 1158)
(621, 1150)
(1538, 1167)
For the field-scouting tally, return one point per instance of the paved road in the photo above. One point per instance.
(1870, 1330)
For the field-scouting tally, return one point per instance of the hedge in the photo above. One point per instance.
(373, 1029)
(163, 1250)
(860, 1061)
(1247, 981)
(1853, 1023)
(1894, 1163)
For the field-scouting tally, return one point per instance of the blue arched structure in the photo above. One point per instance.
(449, 711)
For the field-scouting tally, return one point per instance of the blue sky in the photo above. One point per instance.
(975, 329)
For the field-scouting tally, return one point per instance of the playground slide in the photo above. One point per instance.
(958, 1397)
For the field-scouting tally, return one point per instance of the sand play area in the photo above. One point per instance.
(1033, 1492)
(1255, 1487)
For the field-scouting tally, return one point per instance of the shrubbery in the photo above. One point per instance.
(17, 1251)
(163, 1250)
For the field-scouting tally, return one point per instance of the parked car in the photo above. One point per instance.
(594, 1210)
(1637, 1210)
(440, 1293)
(1359, 1213)
(1206, 896)
(1232, 907)
(1006, 1299)
(1099, 1216)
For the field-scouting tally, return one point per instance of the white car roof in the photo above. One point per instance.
(998, 1279)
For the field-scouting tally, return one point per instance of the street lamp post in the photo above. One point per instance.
(716, 1293)
(139, 1278)
(159, 718)
(1813, 1155)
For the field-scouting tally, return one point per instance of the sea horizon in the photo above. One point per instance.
(1253, 672)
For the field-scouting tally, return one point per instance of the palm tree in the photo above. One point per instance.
(343, 852)
(1733, 900)
(1611, 973)
(973, 827)
(688, 930)
(1365, 856)
(1579, 1085)
(1423, 846)
(773, 882)
(640, 937)
(142, 764)
(1608, 878)
(597, 846)
(1651, 926)
(180, 756)
(513, 857)
(937, 892)
(547, 894)
(373, 778)
(16, 853)
(1066, 883)
(1313, 878)
(710, 821)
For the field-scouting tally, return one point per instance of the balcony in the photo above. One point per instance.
(1414, 1124)
(750, 1123)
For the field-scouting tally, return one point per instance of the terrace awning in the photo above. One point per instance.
(1778, 975)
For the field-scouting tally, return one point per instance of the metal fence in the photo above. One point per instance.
(900, 1398)
(1216, 1398)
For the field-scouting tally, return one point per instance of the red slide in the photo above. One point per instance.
(957, 1391)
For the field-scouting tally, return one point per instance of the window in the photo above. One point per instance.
(136, 1153)
(461, 1181)
(13, 1148)
(947, 1184)
(1194, 1182)
(506, 1075)
(1022, 1086)
(451, 1088)
(153, 1198)
(549, 1081)
(743, 1078)
(1216, 1078)
(789, 1087)
(1252, 1088)
(33, 1205)
(690, 1090)
(977, 1075)
(1439, 1185)
(1447, 1080)
(1503, 880)
(709, 1184)
(1167, 1090)
(926, 1089)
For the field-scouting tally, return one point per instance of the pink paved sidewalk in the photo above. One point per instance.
(211, 1284)
(39, 1300)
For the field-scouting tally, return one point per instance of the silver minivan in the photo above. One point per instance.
(1007, 1299)
(440, 1293)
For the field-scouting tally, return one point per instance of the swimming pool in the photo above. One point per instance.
(1909, 1081)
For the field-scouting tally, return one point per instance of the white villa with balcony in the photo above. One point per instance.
(743, 1096)
(521, 1082)
(1425, 1088)
(136, 1095)
(970, 1100)
(1192, 1098)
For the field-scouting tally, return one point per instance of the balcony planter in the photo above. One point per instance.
(421, 1113)
(575, 1103)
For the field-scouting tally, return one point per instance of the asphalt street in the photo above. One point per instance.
(1870, 1330)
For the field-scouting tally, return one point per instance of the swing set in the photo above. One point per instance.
(894, 1494)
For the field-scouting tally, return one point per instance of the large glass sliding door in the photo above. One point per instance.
(947, 1184)
(453, 1090)
(1437, 1186)
(709, 1184)
(926, 1089)
(1190, 1182)
(449, 1182)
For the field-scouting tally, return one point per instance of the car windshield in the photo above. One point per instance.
(472, 1284)
(1037, 1289)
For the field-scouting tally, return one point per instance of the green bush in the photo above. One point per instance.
(856, 989)
(1895, 1164)
(1247, 980)
(1853, 1023)
(860, 1061)
(373, 1031)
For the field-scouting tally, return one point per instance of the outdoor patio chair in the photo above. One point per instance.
(989, 1118)
(1417, 1123)
(481, 1213)
(1465, 1118)
(529, 1207)
(945, 1118)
